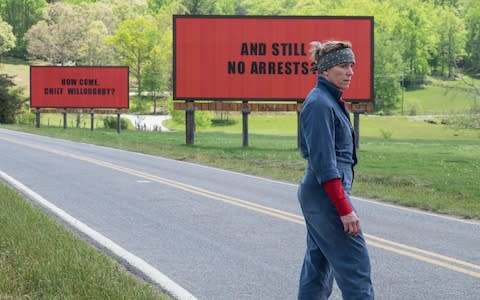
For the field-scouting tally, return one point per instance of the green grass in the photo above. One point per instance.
(18, 68)
(441, 177)
(412, 129)
(440, 97)
(437, 100)
(371, 126)
(39, 259)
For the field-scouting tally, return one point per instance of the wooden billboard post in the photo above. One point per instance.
(189, 123)
(356, 128)
(37, 118)
(92, 119)
(119, 123)
(358, 108)
(64, 113)
(245, 113)
(299, 126)
(190, 126)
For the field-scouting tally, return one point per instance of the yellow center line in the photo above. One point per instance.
(426, 259)
(417, 250)
(429, 257)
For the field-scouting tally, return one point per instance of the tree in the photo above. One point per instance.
(100, 11)
(7, 39)
(164, 16)
(199, 7)
(154, 6)
(153, 75)
(417, 36)
(21, 15)
(100, 22)
(159, 69)
(452, 40)
(446, 2)
(94, 50)
(58, 38)
(308, 7)
(77, 2)
(472, 24)
(227, 7)
(268, 7)
(133, 42)
(388, 75)
(388, 61)
(128, 9)
(10, 100)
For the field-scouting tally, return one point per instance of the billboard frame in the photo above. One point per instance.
(125, 103)
(177, 97)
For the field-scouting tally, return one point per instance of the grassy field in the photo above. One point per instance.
(18, 68)
(440, 97)
(39, 259)
(437, 100)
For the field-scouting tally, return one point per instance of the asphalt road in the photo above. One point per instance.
(225, 235)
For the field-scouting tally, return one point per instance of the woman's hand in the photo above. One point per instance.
(351, 223)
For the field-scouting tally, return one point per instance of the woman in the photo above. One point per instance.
(335, 244)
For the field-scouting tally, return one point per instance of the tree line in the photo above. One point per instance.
(413, 38)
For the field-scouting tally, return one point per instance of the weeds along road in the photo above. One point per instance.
(224, 235)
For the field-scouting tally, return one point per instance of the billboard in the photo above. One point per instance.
(263, 58)
(79, 87)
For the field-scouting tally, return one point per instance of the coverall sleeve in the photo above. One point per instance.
(318, 129)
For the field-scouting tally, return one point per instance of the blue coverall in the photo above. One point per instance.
(327, 142)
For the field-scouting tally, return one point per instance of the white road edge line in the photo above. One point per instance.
(155, 275)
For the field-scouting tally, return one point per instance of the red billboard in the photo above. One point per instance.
(79, 87)
(263, 58)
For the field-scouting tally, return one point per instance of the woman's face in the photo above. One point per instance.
(340, 75)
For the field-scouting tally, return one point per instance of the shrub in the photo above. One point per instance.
(203, 119)
(413, 110)
(111, 122)
(10, 100)
(386, 134)
(470, 119)
(223, 122)
(25, 117)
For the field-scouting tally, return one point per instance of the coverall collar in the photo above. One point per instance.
(336, 93)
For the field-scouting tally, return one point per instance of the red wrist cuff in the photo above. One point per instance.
(335, 192)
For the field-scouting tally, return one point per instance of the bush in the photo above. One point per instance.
(471, 119)
(25, 117)
(413, 110)
(203, 119)
(10, 100)
(111, 123)
(386, 134)
(139, 105)
(223, 122)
